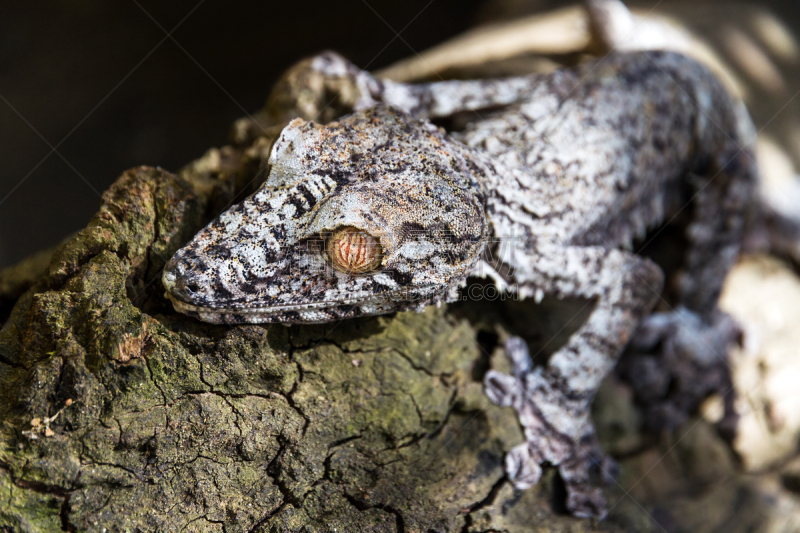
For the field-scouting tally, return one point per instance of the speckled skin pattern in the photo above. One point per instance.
(543, 191)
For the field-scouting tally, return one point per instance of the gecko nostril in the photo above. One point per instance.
(191, 287)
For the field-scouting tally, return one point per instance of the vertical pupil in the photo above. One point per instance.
(354, 251)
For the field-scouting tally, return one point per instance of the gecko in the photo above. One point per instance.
(542, 190)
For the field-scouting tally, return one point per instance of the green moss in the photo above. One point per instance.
(28, 511)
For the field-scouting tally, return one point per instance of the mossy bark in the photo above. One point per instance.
(119, 414)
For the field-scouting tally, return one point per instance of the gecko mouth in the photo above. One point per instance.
(364, 299)
(368, 298)
(190, 296)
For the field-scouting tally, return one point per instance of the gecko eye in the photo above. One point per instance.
(353, 251)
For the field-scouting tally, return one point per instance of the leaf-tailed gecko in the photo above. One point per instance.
(543, 191)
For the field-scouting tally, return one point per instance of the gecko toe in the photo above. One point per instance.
(676, 360)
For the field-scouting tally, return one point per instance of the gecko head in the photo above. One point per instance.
(374, 213)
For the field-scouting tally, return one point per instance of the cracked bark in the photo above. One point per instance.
(177, 425)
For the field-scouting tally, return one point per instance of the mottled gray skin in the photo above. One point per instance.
(543, 191)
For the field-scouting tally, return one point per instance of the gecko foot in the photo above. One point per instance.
(676, 360)
(558, 431)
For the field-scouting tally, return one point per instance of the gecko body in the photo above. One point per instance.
(543, 191)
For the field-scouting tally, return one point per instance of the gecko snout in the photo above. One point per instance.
(178, 283)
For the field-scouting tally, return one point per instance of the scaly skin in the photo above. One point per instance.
(543, 191)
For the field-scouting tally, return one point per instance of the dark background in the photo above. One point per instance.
(103, 83)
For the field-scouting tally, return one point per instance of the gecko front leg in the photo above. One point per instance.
(326, 86)
(554, 401)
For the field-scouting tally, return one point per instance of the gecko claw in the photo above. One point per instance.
(502, 389)
(675, 360)
(522, 467)
(557, 432)
(517, 351)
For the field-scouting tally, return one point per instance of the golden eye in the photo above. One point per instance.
(353, 251)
